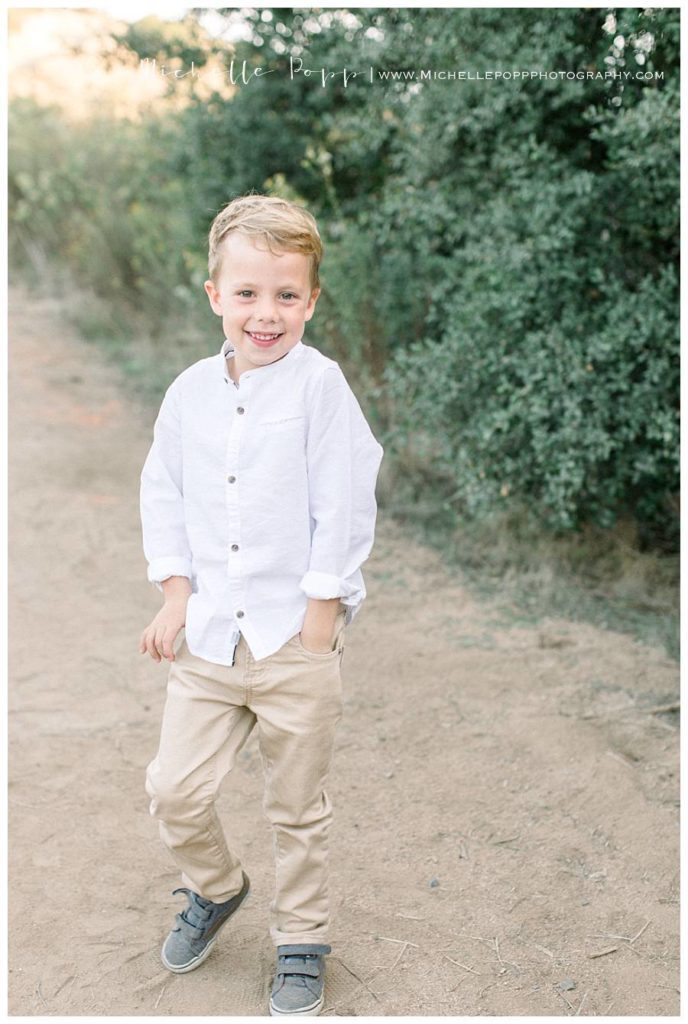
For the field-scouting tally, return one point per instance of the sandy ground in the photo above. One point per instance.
(506, 801)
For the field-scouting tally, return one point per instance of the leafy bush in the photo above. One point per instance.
(100, 200)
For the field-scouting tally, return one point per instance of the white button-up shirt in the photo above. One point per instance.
(262, 493)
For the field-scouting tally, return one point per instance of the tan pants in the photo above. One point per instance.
(295, 697)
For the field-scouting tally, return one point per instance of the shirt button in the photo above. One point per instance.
(240, 410)
(239, 615)
(235, 547)
(231, 479)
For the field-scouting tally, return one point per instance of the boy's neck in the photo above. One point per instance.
(234, 374)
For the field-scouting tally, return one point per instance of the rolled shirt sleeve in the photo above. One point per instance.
(343, 460)
(165, 542)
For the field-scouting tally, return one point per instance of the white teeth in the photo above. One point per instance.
(264, 337)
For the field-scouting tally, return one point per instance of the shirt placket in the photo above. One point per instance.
(233, 511)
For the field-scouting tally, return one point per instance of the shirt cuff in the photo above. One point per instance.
(323, 587)
(162, 568)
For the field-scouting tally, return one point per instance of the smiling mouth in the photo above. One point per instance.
(260, 338)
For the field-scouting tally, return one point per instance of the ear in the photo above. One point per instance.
(214, 297)
(310, 308)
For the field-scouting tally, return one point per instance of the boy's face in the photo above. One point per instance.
(264, 301)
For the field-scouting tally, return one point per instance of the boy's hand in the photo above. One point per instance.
(318, 625)
(158, 638)
(315, 644)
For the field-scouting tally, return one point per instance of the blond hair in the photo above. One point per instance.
(282, 225)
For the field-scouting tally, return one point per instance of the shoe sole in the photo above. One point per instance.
(310, 1011)
(197, 961)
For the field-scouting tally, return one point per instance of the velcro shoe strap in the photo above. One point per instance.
(299, 948)
(190, 930)
(309, 968)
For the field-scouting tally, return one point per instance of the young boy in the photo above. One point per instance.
(258, 510)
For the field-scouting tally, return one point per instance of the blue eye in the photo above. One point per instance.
(288, 295)
(245, 291)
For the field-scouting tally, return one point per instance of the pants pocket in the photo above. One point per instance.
(337, 641)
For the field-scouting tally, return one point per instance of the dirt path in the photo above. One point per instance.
(506, 819)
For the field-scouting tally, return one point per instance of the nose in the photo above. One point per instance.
(266, 311)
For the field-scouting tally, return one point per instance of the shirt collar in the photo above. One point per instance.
(227, 349)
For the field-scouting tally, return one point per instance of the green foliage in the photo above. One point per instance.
(170, 43)
(97, 199)
(501, 268)
(574, 417)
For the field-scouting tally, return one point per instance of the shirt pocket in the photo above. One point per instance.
(285, 423)
(283, 440)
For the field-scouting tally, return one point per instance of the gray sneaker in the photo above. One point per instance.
(299, 980)
(197, 928)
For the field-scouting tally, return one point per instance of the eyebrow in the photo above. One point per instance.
(249, 284)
